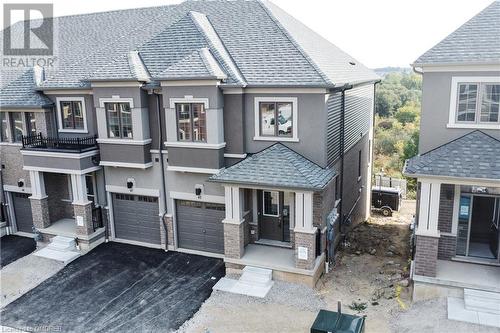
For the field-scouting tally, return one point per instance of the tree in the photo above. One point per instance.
(407, 113)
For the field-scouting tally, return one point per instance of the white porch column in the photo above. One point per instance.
(304, 211)
(233, 203)
(428, 213)
(37, 185)
(234, 243)
(79, 189)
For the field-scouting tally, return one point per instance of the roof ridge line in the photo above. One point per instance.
(456, 139)
(294, 43)
(237, 72)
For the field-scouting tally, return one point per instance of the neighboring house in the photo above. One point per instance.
(458, 166)
(223, 128)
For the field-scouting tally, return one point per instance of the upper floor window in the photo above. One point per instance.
(276, 118)
(71, 114)
(16, 122)
(475, 103)
(119, 120)
(4, 127)
(191, 122)
(30, 123)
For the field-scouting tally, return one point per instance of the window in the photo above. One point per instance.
(475, 101)
(119, 120)
(72, 115)
(276, 119)
(16, 123)
(91, 187)
(4, 127)
(360, 158)
(271, 203)
(191, 122)
(30, 123)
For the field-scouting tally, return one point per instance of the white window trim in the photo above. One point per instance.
(452, 120)
(264, 204)
(258, 136)
(59, 116)
(188, 99)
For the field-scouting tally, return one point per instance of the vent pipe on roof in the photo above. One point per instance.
(38, 75)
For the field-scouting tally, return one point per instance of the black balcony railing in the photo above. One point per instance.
(39, 142)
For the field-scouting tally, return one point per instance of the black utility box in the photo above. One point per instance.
(336, 322)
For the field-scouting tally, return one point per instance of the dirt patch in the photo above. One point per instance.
(371, 272)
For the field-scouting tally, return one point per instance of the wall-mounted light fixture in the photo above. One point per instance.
(20, 183)
(130, 184)
(198, 190)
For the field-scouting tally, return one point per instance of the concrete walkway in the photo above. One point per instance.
(23, 275)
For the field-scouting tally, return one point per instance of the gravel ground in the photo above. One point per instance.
(23, 275)
(431, 317)
(287, 308)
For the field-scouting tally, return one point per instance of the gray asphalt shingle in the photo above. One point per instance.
(476, 41)
(277, 166)
(254, 43)
(475, 155)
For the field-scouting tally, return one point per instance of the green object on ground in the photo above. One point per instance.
(334, 322)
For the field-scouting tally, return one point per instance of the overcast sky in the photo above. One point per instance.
(378, 33)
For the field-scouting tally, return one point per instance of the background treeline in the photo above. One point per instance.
(397, 122)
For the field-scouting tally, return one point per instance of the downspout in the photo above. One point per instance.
(342, 153)
(3, 210)
(162, 167)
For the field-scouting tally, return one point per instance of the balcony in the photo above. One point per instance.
(60, 155)
(69, 145)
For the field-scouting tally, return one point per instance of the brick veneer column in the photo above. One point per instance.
(426, 255)
(40, 212)
(85, 212)
(170, 230)
(305, 240)
(234, 239)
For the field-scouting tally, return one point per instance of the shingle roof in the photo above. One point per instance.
(254, 44)
(19, 92)
(199, 64)
(277, 166)
(477, 41)
(474, 155)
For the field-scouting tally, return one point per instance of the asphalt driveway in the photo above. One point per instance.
(15, 247)
(118, 288)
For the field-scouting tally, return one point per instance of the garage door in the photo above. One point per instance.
(22, 210)
(136, 218)
(199, 226)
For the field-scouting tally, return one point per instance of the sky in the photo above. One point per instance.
(378, 33)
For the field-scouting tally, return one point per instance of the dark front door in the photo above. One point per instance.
(22, 209)
(483, 228)
(271, 215)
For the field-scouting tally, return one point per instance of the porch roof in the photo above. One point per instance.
(474, 155)
(277, 166)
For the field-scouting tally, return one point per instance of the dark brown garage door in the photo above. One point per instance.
(199, 226)
(22, 210)
(136, 218)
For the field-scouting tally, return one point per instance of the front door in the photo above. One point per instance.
(271, 215)
(495, 228)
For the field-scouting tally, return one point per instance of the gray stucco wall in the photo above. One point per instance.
(436, 94)
(59, 162)
(125, 153)
(234, 125)
(196, 157)
(89, 113)
(311, 126)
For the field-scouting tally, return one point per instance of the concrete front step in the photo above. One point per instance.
(482, 301)
(63, 256)
(457, 311)
(61, 241)
(256, 277)
(254, 282)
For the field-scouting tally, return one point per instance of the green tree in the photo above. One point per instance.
(408, 113)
